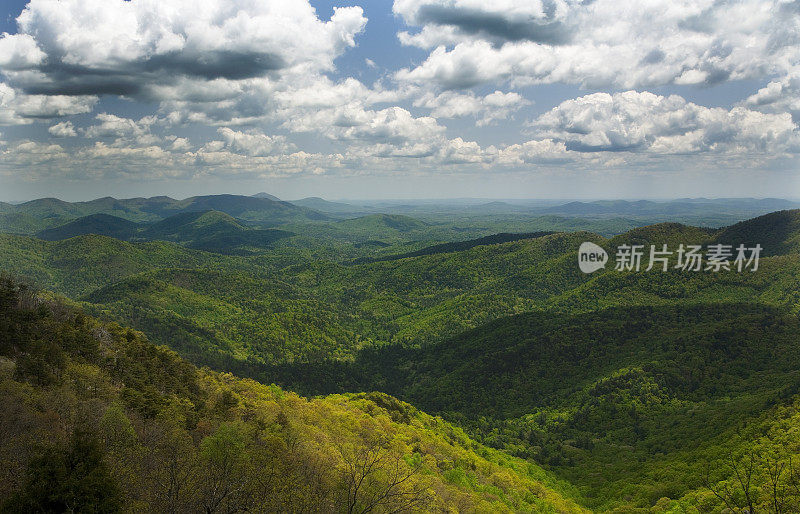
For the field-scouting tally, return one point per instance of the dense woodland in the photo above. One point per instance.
(555, 390)
(97, 419)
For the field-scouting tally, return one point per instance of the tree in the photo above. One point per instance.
(223, 480)
(73, 479)
(375, 474)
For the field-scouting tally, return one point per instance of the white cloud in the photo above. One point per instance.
(102, 160)
(18, 109)
(140, 48)
(458, 151)
(487, 109)
(242, 66)
(33, 155)
(257, 100)
(125, 131)
(179, 144)
(114, 126)
(352, 122)
(253, 144)
(779, 96)
(19, 52)
(63, 129)
(625, 43)
(535, 152)
(644, 122)
(323, 92)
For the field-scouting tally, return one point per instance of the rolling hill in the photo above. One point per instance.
(265, 211)
(459, 246)
(328, 207)
(627, 385)
(376, 223)
(100, 224)
(267, 196)
(79, 265)
(34, 216)
(628, 404)
(412, 300)
(96, 419)
(778, 233)
(682, 207)
(211, 231)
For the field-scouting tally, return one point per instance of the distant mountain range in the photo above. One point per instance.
(36, 215)
(267, 196)
(676, 207)
(203, 230)
(322, 205)
(314, 217)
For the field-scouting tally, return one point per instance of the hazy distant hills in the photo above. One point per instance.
(380, 222)
(204, 230)
(444, 219)
(267, 196)
(211, 231)
(262, 210)
(459, 246)
(45, 213)
(328, 207)
(102, 224)
(683, 207)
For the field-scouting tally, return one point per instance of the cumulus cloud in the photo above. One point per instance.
(354, 122)
(179, 144)
(253, 144)
(33, 154)
(92, 47)
(225, 102)
(534, 152)
(644, 122)
(170, 161)
(124, 131)
(114, 126)
(18, 108)
(487, 109)
(19, 52)
(537, 20)
(624, 43)
(63, 129)
(250, 69)
(782, 95)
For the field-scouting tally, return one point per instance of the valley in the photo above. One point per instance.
(622, 390)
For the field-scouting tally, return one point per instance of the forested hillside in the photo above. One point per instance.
(45, 213)
(290, 306)
(622, 390)
(98, 419)
(636, 399)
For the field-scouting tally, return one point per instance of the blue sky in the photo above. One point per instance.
(410, 99)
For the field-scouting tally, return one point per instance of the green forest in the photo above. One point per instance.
(244, 354)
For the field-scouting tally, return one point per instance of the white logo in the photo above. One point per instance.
(591, 257)
(718, 257)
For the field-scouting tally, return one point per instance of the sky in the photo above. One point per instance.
(572, 99)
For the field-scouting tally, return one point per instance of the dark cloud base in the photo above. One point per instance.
(477, 22)
(71, 80)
